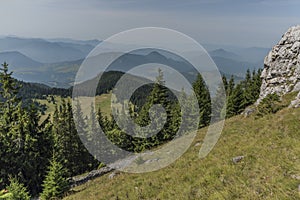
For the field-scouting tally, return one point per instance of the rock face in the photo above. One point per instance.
(281, 73)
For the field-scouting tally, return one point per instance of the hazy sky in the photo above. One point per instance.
(234, 22)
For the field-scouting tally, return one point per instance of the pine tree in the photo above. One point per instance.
(234, 105)
(256, 81)
(247, 85)
(70, 150)
(225, 82)
(159, 95)
(102, 120)
(93, 119)
(230, 87)
(190, 111)
(38, 143)
(9, 88)
(55, 183)
(244, 93)
(17, 190)
(176, 117)
(204, 102)
(219, 101)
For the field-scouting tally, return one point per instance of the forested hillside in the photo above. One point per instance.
(40, 156)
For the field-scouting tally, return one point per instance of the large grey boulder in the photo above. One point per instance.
(281, 73)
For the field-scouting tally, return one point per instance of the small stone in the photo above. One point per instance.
(197, 144)
(248, 111)
(237, 159)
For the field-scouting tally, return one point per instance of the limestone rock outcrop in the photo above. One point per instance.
(281, 73)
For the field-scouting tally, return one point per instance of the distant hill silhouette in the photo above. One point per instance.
(18, 61)
(45, 51)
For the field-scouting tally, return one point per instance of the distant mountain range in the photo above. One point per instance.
(48, 51)
(54, 62)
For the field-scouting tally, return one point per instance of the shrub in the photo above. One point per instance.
(270, 104)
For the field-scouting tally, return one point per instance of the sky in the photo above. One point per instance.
(228, 22)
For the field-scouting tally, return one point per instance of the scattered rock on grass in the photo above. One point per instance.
(295, 177)
(237, 159)
(248, 111)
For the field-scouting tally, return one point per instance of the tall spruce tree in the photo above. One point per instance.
(256, 81)
(159, 95)
(204, 102)
(225, 82)
(70, 150)
(230, 86)
(235, 100)
(55, 183)
(247, 85)
(219, 100)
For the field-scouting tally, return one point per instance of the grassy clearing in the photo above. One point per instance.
(49, 105)
(271, 149)
(102, 101)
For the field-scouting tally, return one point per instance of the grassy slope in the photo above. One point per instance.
(271, 149)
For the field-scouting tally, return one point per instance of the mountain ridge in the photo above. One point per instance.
(60, 59)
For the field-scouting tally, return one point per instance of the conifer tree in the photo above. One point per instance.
(102, 120)
(225, 82)
(17, 190)
(93, 119)
(219, 101)
(190, 110)
(247, 85)
(55, 183)
(9, 88)
(204, 102)
(230, 86)
(234, 105)
(256, 81)
(70, 150)
(158, 95)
